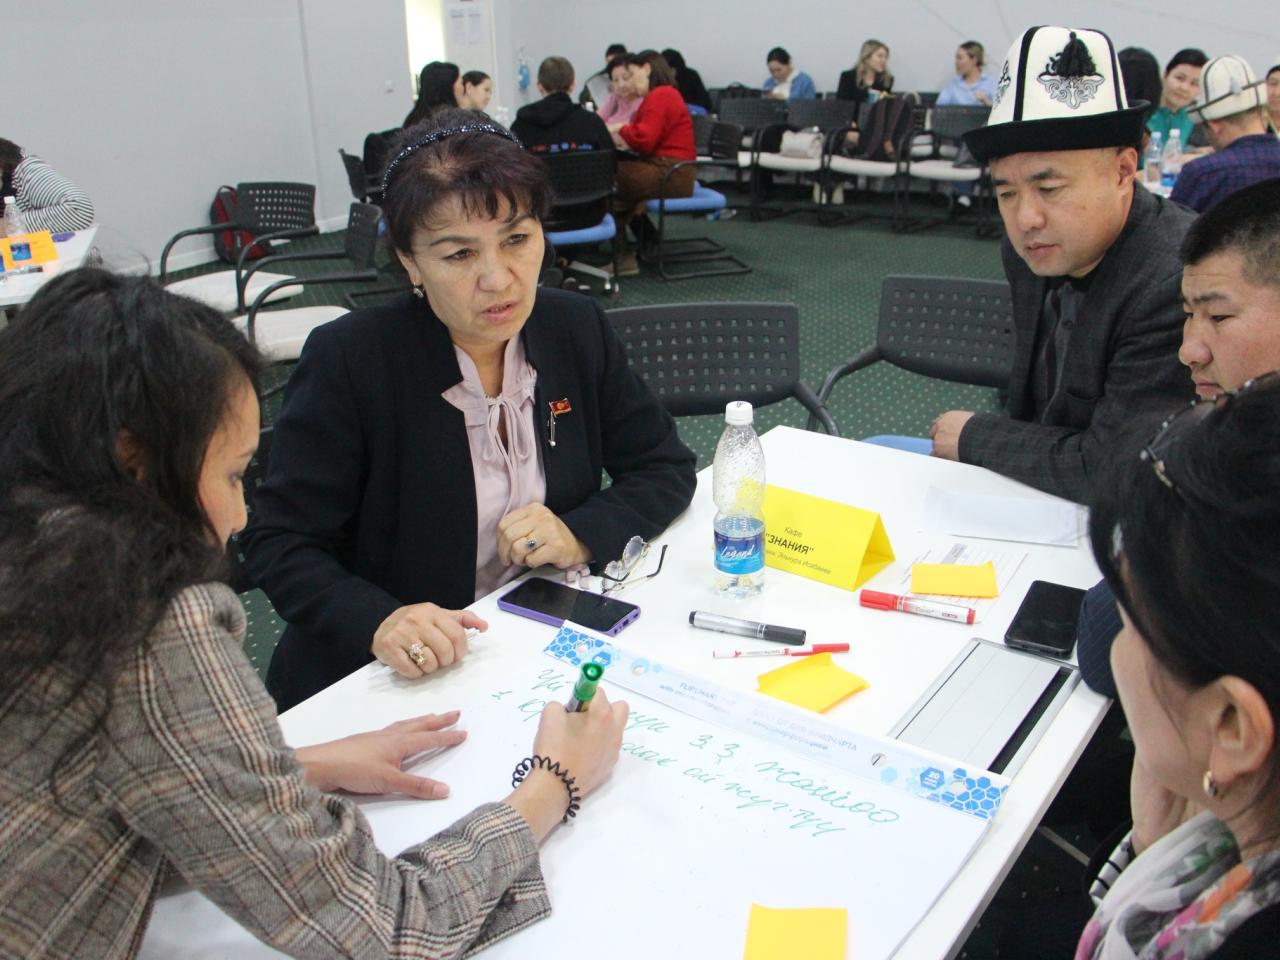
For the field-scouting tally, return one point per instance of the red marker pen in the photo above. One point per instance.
(807, 652)
(925, 608)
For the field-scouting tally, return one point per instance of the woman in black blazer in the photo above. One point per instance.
(367, 531)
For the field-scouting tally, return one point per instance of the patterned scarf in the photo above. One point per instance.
(1182, 898)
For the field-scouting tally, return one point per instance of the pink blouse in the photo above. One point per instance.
(617, 110)
(507, 475)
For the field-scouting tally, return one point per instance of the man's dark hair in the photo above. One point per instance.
(96, 540)
(478, 169)
(778, 55)
(660, 72)
(555, 75)
(615, 50)
(1191, 57)
(1197, 566)
(1246, 223)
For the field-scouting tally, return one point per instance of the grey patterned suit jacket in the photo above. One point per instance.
(1121, 365)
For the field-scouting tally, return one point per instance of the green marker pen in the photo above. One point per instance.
(585, 688)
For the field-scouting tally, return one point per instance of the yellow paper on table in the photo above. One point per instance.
(828, 541)
(32, 250)
(817, 933)
(814, 683)
(954, 579)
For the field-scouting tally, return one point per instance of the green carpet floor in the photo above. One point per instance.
(833, 274)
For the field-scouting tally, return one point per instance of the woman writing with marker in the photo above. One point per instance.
(432, 449)
(136, 738)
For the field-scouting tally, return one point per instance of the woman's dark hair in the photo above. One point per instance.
(435, 91)
(10, 157)
(660, 72)
(614, 64)
(778, 55)
(1190, 57)
(473, 78)
(1197, 567)
(975, 50)
(477, 168)
(92, 549)
(1140, 71)
(675, 59)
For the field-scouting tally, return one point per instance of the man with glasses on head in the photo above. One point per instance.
(1091, 257)
(1231, 295)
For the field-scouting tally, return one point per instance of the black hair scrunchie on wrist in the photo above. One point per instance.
(525, 766)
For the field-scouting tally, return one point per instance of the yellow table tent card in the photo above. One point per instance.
(27, 250)
(828, 541)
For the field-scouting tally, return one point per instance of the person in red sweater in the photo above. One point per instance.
(658, 137)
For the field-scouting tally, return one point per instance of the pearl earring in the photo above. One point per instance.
(417, 292)
(1210, 786)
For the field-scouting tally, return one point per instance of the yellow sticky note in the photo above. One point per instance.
(824, 540)
(817, 933)
(814, 683)
(954, 579)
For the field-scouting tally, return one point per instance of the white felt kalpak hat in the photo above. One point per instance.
(1227, 86)
(1060, 89)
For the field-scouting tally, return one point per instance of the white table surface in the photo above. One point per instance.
(17, 290)
(900, 655)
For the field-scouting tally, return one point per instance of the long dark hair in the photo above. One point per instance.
(10, 157)
(1197, 565)
(435, 91)
(93, 549)
(478, 168)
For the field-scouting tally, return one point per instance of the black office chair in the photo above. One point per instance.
(364, 187)
(829, 117)
(949, 328)
(947, 126)
(280, 334)
(266, 211)
(696, 357)
(254, 475)
(375, 153)
(690, 257)
(582, 188)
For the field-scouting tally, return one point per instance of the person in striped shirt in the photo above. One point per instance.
(46, 199)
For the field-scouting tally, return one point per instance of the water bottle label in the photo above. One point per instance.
(740, 555)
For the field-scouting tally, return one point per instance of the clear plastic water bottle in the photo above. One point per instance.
(1171, 159)
(14, 225)
(1151, 163)
(738, 483)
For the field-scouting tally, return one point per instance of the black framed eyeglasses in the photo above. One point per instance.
(618, 574)
(1177, 426)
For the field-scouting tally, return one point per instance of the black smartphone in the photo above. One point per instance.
(554, 603)
(1046, 621)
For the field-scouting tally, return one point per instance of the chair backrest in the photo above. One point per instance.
(953, 122)
(751, 113)
(725, 141)
(357, 179)
(824, 114)
(696, 357)
(361, 243)
(946, 327)
(702, 124)
(264, 206)
(377, 151)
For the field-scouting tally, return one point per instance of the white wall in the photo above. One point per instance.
(151, 104)
(727, 42)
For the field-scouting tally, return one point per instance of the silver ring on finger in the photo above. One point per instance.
(416, 654)
(530, 544)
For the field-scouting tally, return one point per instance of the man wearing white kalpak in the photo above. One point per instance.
(1092, 258)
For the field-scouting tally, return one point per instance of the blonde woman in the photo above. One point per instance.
(870, 73)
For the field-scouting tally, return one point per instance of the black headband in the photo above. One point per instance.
(443, 133)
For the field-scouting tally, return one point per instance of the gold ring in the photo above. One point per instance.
(416, 654)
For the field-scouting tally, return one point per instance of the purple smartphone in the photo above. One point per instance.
(554, 603)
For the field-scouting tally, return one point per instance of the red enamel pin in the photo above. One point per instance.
(558, 408)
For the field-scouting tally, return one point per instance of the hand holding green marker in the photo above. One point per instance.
(585, 688)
